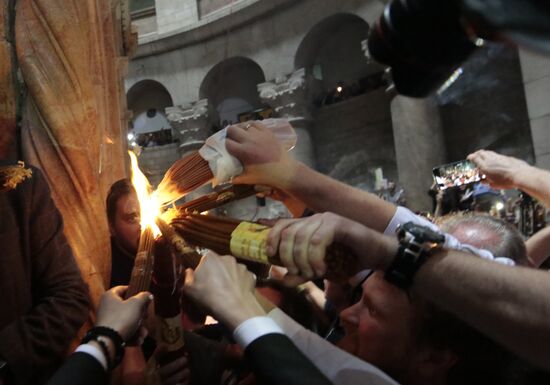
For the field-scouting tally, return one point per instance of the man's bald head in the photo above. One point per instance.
(487, 232)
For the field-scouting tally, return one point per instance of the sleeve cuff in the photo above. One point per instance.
(254, 328)
(403, 215)
(94, 352)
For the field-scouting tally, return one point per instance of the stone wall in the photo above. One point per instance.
(267, 32)
(536, 78)
(154, 161)
(353, 137)
(486, 107)
(206, 7)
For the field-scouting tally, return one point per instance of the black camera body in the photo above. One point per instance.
(425, 41)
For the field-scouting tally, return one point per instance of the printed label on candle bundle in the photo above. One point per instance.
(248, 241)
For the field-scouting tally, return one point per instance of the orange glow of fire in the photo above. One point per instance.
(150, 208)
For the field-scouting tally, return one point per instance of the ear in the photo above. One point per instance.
(434, 363)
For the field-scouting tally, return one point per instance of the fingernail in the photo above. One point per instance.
(151, 297)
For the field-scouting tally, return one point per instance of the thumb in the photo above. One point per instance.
(189, 278)
(143, 299)
(242, 179)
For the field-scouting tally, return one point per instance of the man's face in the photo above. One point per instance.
(379, 328)
(126, 228)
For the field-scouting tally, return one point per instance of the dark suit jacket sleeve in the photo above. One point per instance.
(80, 369)
(52, 296)
(275, 360)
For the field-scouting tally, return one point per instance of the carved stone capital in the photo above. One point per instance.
(191, 111)
(190, 123)
(287, 94)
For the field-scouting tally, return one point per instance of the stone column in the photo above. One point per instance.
(419, 146)
(536, 78)
(288, 97)
(190, 125)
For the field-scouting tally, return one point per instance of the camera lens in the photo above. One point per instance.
(423, 41)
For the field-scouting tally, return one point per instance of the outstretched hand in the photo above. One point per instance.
(225, 287)
(264, 159)
(124, 316)
(301, 244)
(501, 171)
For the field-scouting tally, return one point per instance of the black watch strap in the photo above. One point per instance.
(416, 244)
(405, 265)
(118, 342)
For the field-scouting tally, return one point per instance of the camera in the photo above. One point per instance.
(425, 41)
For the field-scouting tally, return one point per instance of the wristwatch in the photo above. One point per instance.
(416, 244)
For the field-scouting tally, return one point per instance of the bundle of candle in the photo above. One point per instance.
(216, 199)
(186, 255)
(166, 287)
(248, 241)
(143, 264)
(213, 162)
(185, 175)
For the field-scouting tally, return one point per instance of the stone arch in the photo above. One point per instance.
(147, 94)
(331, 51)
(231, 88)
(148, 99)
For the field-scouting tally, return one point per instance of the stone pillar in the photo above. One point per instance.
(288, 97)
(190, 125)
(419, 146)
(536, 78)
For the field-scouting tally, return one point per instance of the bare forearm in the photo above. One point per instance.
(535, 182)
(538, 247)
(503, 302)
(322, 193)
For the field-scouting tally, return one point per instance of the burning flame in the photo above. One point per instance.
(150, 208)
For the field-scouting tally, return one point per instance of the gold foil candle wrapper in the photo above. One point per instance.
(249, 241)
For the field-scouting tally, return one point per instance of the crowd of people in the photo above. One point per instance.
(465, 310)
(460, 299)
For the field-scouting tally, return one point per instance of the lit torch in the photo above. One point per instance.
(155, 255)
(149, 210)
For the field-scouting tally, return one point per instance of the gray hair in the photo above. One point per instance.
(508, 240)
